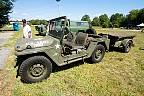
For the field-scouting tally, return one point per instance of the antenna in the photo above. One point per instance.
(59, 9)
(58, 6)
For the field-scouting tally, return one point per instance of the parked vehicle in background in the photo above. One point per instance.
(42, 29)
(74, 26)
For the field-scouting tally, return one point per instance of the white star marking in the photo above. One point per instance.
(57, 46)
(55, 54)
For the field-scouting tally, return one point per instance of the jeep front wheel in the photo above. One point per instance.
(35, 69)
(98, 54)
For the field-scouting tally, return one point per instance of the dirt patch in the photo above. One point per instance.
(4, 53)
(3, 57)
(4, 37)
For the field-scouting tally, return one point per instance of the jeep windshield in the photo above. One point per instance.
(55, 27)
(79, 23)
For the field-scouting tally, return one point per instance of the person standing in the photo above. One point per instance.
(26, 30)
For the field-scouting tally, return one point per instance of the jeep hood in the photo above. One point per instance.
(27, 43)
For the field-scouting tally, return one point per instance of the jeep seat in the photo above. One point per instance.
(78, 43)
(81, 39)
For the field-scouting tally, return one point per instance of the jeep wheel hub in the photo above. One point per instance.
(37, 70)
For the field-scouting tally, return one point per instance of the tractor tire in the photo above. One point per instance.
(127, 47)
(98, 54)
(35, 69)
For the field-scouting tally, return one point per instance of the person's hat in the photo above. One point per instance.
(24, 20)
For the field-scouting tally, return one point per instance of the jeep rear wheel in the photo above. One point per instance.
(35, 69)
(98, 54)
(127, 47)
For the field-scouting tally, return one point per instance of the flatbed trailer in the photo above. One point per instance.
(123, 41)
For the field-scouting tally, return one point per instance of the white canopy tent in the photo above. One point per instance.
(141, 25)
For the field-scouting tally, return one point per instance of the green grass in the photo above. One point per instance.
(119, 74)
(7, 27)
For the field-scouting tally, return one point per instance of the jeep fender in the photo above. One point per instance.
(91, 48)
(93, 45)
(30, 51)
(50, 53)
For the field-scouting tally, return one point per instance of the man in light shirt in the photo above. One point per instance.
(26, 30)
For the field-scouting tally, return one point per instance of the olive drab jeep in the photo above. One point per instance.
(35, 57)
(63, 46)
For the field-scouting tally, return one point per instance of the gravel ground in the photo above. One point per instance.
(4, 51)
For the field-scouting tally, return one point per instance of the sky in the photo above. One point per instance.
(74, 9)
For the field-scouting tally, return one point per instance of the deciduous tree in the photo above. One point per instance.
(86, 18)
(104, 21)
(117, 19)
(96, 21)
(5, 9)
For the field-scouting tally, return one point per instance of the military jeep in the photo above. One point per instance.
(74, 26)
(61, 46)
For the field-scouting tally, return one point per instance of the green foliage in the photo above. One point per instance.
(96, 21)
(140, 16)
(117, 20)
(38, 22)
(104, 21)
(5, 9)
(86, 18)
(133, 17)
(131, 20)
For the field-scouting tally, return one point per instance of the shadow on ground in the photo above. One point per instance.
(115, 49)
(40, 35)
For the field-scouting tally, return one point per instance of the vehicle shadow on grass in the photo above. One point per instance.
(116, 50)
(68, 66)
(39, 35)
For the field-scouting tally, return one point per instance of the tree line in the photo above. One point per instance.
(38, 22)
(5, 9)
(131, 20)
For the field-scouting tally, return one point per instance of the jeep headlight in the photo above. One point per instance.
(17, 48)
(28, 47)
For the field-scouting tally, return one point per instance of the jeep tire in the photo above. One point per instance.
(35, 69)
(127, 47)
(98, 54)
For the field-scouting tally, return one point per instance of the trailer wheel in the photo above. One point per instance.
(98, 54)
(127, 47)
(142, 30)
(35, 69)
